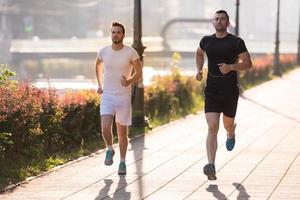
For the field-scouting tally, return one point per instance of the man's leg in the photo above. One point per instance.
(123, 143)
(123, 139)
(229, 125)
(106, 124)
(211, 140)
(229, 111)
(212, 119)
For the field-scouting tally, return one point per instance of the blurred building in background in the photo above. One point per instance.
(90, 18)
(63, 23)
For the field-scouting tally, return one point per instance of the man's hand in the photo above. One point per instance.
(100, 90)
(225, 68)
(124, 81)
(199, 76)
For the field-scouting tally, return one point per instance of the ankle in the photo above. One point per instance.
(110, 148)
(231, 136)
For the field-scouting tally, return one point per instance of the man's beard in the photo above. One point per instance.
(117, 41)
(221, 29)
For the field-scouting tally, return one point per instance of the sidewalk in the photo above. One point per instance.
(167, 163)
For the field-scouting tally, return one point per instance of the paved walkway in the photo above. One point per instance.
(167, 164)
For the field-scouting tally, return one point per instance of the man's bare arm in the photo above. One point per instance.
(199, 63)
(244, 64)
(137, 66)
(99, 74)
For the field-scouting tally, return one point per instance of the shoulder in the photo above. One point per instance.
(236, 41)
(102, 52)
(208, 37)
(105, 49)
(206, 40)
(235, 38)
(129, 48)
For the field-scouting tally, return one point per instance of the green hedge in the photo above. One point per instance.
(39, 124)
(172, 96)
(38, 127)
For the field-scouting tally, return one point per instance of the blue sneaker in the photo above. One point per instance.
(230, 142)
(122, 168)
(109, 157)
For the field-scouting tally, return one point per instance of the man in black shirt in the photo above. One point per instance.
(226, 55)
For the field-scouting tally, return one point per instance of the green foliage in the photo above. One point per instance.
(5, 74)
(262, 69)
(40, 129)
(50, 123)
(38, 124)
(82, 120)
(172, 96)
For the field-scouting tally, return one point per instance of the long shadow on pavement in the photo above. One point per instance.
(120, 192)
(243, 195)
(216, 192)
(138, 147)
(104, 191)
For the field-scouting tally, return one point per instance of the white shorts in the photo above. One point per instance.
(119, 106)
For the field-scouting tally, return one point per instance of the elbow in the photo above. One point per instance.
(250, 64)
(247, 64)
(140, 73)
(97, 67)
(137, 75)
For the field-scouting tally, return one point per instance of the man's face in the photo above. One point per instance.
(117, 35)
(220, 22)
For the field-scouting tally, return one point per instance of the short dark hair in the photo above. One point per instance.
(113, 24)
(223, 12)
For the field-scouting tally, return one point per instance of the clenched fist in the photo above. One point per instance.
(199, 76)
(124, 81)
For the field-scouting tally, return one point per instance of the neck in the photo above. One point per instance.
(221, 34)
(117, 46)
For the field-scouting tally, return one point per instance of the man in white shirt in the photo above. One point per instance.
(114, 66)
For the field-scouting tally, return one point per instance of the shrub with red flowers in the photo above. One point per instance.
(50, 120)
(36, 123)
(20, 108)
(263, 66)
(82, 120)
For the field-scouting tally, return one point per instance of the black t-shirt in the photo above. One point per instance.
(222, 50)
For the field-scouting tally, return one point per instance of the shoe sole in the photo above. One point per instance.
(211, 177)
(121, 173)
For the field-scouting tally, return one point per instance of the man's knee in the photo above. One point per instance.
(106, 128)
(229, 125)
(106, 123)
(213, 128)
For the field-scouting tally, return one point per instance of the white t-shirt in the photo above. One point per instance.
(116, 63)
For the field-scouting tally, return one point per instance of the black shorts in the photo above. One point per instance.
(221, 103)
